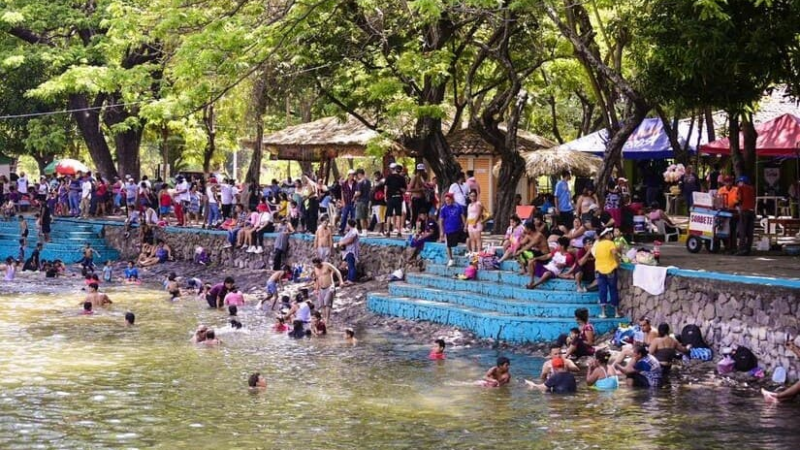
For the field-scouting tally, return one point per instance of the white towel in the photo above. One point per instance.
(650, 278)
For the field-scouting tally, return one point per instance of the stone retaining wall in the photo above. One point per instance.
(756, 316)
(378, 256)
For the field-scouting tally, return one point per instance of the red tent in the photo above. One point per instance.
(778, 137)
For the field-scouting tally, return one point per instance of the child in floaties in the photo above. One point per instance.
(437, 352)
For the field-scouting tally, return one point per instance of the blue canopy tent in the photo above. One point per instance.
(649, 141)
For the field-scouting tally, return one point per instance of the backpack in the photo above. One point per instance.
(624, 335)
(703, 354)
(744, 359)
(691, 335)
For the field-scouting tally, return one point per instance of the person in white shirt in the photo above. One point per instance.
(22, 184)
(459, 190)
(86, 195)
(262, 226)
(213, 203)
(228, 193)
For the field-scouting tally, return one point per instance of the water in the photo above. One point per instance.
(77, 382)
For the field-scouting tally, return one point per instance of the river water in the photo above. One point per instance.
(88, 382)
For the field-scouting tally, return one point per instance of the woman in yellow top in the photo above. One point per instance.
(606, 263)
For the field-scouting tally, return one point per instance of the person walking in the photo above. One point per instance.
(349, 189)
(363, 190)
(394, 188)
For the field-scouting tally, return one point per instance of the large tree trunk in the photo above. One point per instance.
(209, 123)
(88, 121)
(750, 136)
(613, 154)
(127, 142)
(259, 108)
(735, 144)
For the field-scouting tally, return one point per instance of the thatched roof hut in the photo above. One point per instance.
(468, 142)
(321, 140)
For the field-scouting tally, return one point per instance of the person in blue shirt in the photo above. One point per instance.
(642, 370)
(564, 208)
(131, 273)
(452, 223)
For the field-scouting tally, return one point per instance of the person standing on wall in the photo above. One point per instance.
(746, 206)
(417, 191)
(394, 189)
(363, 189)
(349, 189)
(563, 205)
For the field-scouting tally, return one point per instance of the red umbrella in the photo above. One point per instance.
(70, 167)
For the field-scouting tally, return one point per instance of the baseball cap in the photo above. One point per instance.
(420, 166)
(743, 179)
(448, 195)
(608, 230)
(392, 165)
(558, 362)
(351, 172)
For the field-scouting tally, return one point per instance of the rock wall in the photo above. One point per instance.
(378, 256)
(759, 317)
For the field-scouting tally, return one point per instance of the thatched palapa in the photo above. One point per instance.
(321, 140)
(552, 161)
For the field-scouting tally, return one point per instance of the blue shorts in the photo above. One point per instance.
(272, 288)
(164, 210)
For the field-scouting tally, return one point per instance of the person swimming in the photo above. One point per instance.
(87, 309)
(350, 336)
(130, 319)
(10, 268)
(437, 352)
(131, 273)
(172, 287)
(257, 381)
(499, 375)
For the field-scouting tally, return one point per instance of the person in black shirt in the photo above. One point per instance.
(394, 189)
(560, 382)
(427, 231)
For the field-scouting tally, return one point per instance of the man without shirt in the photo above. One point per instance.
(97, 299)
(324, 285)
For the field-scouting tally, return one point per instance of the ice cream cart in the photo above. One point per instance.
(709, 223)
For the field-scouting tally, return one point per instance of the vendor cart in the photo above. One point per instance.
(709, 223)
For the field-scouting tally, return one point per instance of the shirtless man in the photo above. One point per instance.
(532, 245)
(547, 367)
(324, 286)
(644, 337)
(97, 299)
(323, 241)
(88, 256)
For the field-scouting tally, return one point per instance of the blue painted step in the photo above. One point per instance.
(502, 277)
(485, 324)
(505, 306)
(500, 290)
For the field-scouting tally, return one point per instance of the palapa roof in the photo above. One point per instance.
(469, 142)
(321, 139)
(554, 160)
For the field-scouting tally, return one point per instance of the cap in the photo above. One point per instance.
(128, 177)
(448, 195)
(420, 166)
(557, 362)
(351, 172)
(212, 180)
(743, 179)
(392, 165)
(727, 179)
(622, 179)
(608, 230)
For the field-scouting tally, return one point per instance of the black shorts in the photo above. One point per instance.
(453, 239)
(394, 206)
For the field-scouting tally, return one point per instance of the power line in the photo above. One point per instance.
(68, 111)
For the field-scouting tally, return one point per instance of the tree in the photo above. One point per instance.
(101, 71)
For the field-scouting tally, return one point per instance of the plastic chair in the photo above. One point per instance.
(664, 229)
(525, 212)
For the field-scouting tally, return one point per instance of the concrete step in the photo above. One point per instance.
(478, 301)
(501, 276)
(485, 324)
(501, 290)
(67, 257)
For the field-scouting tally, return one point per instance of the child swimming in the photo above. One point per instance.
(350, 336)
(437, 352)
(107, 272)
(499, 375)
(131, 273)
(172, 287)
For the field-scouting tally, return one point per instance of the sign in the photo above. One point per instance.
(702, 223)
(703, 199)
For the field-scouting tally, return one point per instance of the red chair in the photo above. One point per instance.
(525, 212)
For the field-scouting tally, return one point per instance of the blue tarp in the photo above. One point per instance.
(649, 141)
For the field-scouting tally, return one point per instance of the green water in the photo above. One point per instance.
(77, 382)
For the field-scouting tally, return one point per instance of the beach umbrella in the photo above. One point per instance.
(69, 167)
(552, 161)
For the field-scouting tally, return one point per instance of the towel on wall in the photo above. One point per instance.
(650, 278)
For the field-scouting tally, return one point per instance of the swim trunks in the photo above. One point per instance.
(325, 297)
(272, 288)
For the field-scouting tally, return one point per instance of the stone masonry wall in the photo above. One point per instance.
(378, 257)
(756, 316)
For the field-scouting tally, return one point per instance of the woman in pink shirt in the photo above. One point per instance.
(234, 297)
